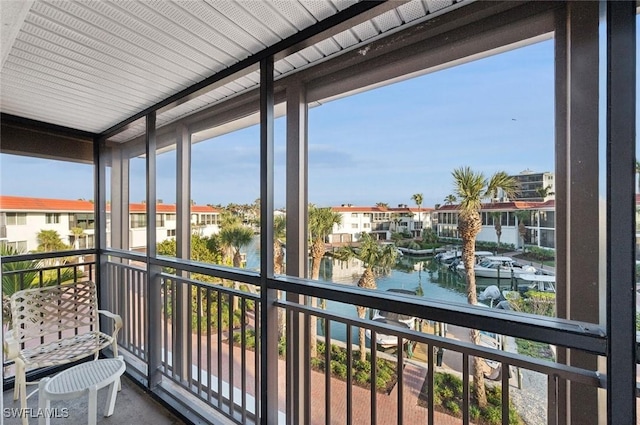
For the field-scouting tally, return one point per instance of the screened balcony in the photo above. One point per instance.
(220, 343)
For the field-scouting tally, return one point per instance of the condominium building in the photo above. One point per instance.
(538, 219)
(380, 221)
(22, 218)
(535, 186)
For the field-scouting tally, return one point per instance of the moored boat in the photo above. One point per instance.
(401, 321)
(499, 267)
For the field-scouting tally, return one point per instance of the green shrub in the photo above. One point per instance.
(381, 383)
(363, 366)
(437, 400)
(474, 413)
(338, 354)
(494, 396)
(453, 407)
(492, 414)
(317, 363)
(361, 377)
(446, 393)
(447, 396)
(339, 369)
(542, 254)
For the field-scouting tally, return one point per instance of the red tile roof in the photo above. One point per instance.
(378, 209)
(513, 205)
(21, 203)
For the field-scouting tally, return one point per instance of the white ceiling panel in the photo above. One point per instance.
(328, 46)
(346, 39)
(297, 60)
(90, 64)
(435, 5)
(412, 10)
(283, 66)
(295, 13)
(365, 30)
(320, 9)
(388, 20)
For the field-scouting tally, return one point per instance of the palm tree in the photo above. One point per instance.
(77, 232)
(497, 224)
(450, 199)
(417, 198)
(279, 229)
(522, 228)
(376, 258)
(471, 188)
(543, 192)
(49, 241)
(236, 237)
(321, 222)
(638, 172)
(396, 219)
(382, 205)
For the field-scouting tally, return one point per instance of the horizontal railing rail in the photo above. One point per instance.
(45, 255)
(565, 333)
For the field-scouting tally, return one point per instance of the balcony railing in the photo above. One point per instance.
(193, 334)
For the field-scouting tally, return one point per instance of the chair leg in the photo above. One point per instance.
(93, 408)
(111, 399)
(44, 404)
(16, 383)
(23, 396)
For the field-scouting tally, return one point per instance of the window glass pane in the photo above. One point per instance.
(364, 138)
(41, 194)
(225, 192)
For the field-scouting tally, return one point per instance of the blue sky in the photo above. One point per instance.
(381, 145)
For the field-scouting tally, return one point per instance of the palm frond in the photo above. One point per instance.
(469, 187)
(502, 181)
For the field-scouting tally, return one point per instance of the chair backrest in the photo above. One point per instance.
(54, 310)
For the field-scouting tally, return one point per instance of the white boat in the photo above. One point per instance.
(448, 256)
(537, 282)
(401, 321)
(451, 257)
(503, 267)
(387, 341)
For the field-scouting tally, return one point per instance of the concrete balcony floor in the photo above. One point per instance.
(133, 407)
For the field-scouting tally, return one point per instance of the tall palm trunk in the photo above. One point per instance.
(361, 335)
(317, 252)
(367, 281)
(237, 262)
(469, 226)
(278, 268)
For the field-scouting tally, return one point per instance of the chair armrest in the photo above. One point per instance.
(117, 320)
(11, 346)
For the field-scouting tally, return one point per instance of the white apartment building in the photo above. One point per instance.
(535, 186)
(379, 221)
(537, 217)
(22, 218)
